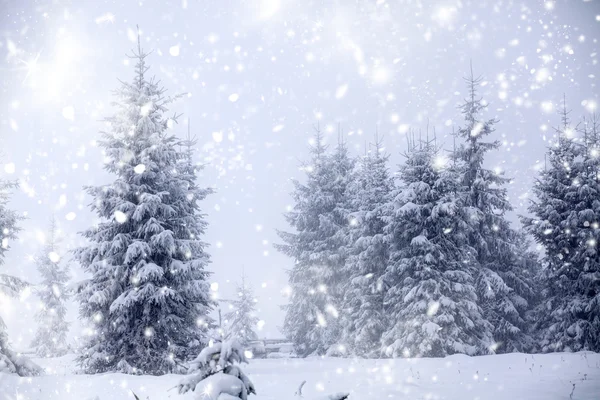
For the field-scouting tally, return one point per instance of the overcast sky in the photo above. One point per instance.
(258, 76)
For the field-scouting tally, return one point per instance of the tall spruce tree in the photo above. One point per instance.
(51, 336)
(242, 319)
(504, 290)
(317, 247)
(147, 300)
(10, 286)
(363, 317)
(566, 218)
(430, 293)
(336, 276)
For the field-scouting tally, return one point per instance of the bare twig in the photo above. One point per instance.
(299, 391)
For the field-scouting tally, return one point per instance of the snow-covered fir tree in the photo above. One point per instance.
(242, 320)
(147, 301)
(430, 295)
(529, 263)
(363, 318)
(319, 216)
(51, 336)
(504, 290)
(8, 219)
(338, 223)
(566, 218)
(10, 286)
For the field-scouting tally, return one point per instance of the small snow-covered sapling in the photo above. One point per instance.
(215, 370)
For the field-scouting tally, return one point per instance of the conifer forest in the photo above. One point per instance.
(279, 199)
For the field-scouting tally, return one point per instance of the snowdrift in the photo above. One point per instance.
(510, 376)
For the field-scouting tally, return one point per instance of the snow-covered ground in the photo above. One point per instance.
(511, 376)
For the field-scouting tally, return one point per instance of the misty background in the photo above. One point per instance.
(256, 78)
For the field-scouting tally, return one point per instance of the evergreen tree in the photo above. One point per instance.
(363, 317)
(566, 217)
(529, 265)
(147, 300)
(320, 216)
(430, 293)
(504, 290)
(9, 285)
(242, 319)
(338, 223)
(51, 337)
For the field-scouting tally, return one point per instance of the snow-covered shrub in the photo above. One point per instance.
(12, 362)
(215, 371)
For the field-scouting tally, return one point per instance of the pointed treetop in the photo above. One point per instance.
(189, 141)
(341, 140)
(472, 83)
(52, 239)
(595, 128)
(319, 148)
(140, 55)
(454, 147)
(564, 113)
(138, 39)
(410, 139)
(378, 143)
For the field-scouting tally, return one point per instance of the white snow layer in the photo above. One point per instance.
(510, 376)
